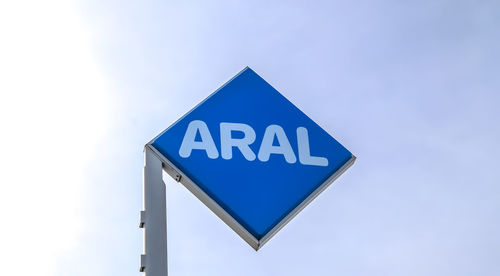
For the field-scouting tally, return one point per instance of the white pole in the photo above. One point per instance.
(154, 217)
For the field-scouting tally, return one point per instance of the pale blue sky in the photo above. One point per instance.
(412, 88)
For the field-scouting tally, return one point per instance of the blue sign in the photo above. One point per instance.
(251, 156)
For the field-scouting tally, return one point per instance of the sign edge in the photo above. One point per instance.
(173, 171)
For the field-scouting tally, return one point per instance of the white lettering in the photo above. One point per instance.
(227, 142)
(284, 148)
(207, 143)
(304, 150)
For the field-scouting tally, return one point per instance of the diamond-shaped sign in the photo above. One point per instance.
(251, 156)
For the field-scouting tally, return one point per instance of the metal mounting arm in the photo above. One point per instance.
(154, 217)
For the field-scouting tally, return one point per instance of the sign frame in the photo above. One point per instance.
(255, 243)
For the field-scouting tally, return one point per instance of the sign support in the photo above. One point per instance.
(254, 196)
(154, 217)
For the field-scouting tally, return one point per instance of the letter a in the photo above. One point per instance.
(207, 143)
(266, 148)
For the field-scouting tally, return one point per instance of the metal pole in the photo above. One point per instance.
(154, 217)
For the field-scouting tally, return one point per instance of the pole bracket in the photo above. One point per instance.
(142, 219)
(143, 263)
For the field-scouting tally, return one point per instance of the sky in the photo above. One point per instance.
(411, 88)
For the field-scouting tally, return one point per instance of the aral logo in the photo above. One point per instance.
(251, 156)
(267, 147)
